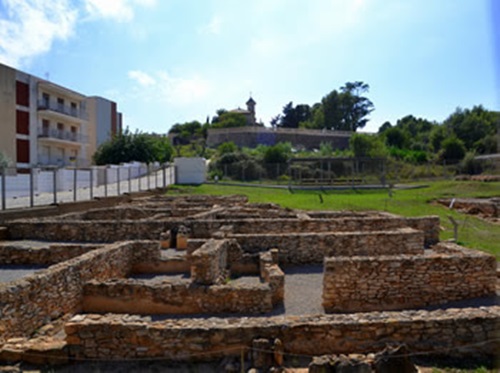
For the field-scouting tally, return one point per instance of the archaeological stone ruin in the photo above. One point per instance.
(200, 278)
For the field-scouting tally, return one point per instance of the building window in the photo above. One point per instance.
(45, 100)
(23, 122)
(23, 151)
(74, 109)
(60, 104)
(22, 94)
(45, 127)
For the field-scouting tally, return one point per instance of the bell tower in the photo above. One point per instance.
(251, 108)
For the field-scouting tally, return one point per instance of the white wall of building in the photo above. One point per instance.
(190, 170)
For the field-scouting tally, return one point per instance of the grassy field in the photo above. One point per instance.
(473, 232)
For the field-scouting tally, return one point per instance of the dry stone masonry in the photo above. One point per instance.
(200, 278)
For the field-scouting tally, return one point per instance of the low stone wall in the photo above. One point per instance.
(29, 303)
(210, 262)
(178, 297)
(311, 248)
(13, 253)
(111, 231)
(454, 332)
(447, 273)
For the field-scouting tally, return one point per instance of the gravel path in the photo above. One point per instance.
(303, 290)
(14, 272)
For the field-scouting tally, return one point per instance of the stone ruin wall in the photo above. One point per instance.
(455, 332)
(180, 298)
(448, 273)
(111, 231)
(47, 255)
(311, 248)
(31, 302)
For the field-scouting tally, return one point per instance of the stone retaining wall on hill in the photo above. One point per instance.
(309, 248)
(445, 273)
(454, 332)
(30, 302)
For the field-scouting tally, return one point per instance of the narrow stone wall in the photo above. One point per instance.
(452, 332)
(311, 248)
(112, 231)
(28, 303)
(447, 273)
(13, 253)
(209, 263)
(180, 297)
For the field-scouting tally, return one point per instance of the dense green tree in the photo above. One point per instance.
(471, 126)
(395, 136)
(128, 147)
(291, 116)
(228, 119)
(364, 145)
(452, 149)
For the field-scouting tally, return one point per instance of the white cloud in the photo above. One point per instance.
(119, 10)
(31, 26)
(141, 77)
(163, 87)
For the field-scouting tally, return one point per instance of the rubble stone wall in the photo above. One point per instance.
(447, 273)
(48, 255)
(308, 248)
(112, 231)
(456, 332)
(30, 302)
(136, 297)
(209, 263)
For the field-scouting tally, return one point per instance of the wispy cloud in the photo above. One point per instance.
(118, 10)
(163, 87)
(30, 27)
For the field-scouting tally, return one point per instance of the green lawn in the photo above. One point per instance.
(473, 232)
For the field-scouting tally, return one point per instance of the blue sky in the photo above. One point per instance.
(172, 61)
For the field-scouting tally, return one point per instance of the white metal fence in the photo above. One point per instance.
(45, 186)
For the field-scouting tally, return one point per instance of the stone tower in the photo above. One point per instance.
(251, 108)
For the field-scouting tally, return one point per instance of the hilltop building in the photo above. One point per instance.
(45, 124)
(249, 113)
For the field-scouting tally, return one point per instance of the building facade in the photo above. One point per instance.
(45, 124)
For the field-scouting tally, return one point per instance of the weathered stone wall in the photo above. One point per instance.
(28, 303)
(456, 332)
(445, 273)
(253, 136)
(209, 263)
(178, 297)
(44, 255)
(311, 248)
(112, 231)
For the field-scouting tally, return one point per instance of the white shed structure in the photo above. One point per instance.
(190, 170)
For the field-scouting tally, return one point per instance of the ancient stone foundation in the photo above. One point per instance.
(202, 278)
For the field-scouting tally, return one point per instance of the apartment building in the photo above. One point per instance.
(45, 124)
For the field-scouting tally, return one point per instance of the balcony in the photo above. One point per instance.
(62, 135)
(67, 110)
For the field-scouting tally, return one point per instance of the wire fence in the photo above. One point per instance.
(348, 171)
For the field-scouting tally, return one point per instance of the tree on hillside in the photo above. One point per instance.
(345, 110)
(228, 119)
(291, 116)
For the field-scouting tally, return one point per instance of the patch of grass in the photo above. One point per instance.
(473, 232)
